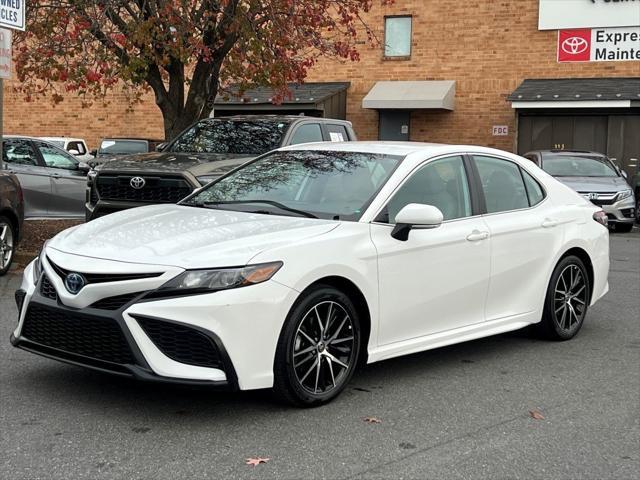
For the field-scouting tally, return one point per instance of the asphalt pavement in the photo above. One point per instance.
(456, 412)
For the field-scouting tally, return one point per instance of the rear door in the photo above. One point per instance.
(68, 183)
(21, 158)
(525, 234)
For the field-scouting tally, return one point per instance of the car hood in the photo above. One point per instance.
(186, 237)
(595, 184)
(169, 162)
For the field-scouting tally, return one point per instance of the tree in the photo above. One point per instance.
(186, 51)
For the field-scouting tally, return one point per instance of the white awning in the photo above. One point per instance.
(399, 95)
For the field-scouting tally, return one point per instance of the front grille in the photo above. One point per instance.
(114, 303)
(90, 336)
(155, 189)
(604, 198)
(103, 277)
(181, 343)
(93, 195)
(47, 289)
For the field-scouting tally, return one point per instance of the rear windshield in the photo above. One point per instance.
(231, 136)
(123, 147)
(568, 166)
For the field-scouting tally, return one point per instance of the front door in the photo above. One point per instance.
(437, 279)
(68, 183)
(394, 125)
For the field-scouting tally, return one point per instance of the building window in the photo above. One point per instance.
(397, 36)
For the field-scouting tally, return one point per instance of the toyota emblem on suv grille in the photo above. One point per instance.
(74, 282)
(137, 183)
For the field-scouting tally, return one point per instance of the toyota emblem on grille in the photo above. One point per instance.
(137, 183)
(74, 282)
(593, 196)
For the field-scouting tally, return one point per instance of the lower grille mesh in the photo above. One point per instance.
(47, 289)
(181, 343)
(90, 336)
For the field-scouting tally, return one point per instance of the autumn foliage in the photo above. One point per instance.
(186, 51)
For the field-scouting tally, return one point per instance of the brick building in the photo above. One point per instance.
(446, 71)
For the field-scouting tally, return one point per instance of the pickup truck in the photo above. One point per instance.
(203, 152)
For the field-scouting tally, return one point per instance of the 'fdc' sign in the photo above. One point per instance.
(599, 45)
(12, 14)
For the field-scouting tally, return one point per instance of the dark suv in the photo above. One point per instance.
(203, 152)
(11, 217)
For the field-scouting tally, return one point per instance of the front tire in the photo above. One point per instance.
(318, 348)
(567, 300)
(7, 244)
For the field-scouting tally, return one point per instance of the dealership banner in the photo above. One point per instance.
(562, 14)
(599, 45)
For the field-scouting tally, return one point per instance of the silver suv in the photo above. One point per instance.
(596, 178)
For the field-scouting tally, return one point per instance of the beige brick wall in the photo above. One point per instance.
(488, 47)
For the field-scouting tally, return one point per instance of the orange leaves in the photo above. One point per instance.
(256, 461)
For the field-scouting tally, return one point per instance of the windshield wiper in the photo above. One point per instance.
(279, 205)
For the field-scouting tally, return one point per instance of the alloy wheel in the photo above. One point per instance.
(6, 244)
(570, 298)
(323, 348)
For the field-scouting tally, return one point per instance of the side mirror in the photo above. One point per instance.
(94, 152)
(84, 167)
(161, 146)
(74, 152)
(416, 215)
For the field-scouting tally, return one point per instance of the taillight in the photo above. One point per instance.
(601, 218)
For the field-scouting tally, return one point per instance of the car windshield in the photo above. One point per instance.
(123, 147)
(57, 143)
(231, 136)
(323, 184)
(579, 166)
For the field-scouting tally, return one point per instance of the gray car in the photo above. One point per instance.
(594, 176)
(53, 181)
(202, 153)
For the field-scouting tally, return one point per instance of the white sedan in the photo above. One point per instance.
(292, 269)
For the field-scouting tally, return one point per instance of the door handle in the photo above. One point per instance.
(55, 175)
(549, 223)
(476, 236)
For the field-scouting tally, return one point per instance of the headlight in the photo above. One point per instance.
(206, 179)
(625, 194)
(202, 281)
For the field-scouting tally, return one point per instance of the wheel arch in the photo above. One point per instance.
(6, 212)
(586, 259)
(360, 302)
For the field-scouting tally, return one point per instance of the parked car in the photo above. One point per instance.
(75, 146)
(115, 147)
(201, 153)
(596, 178)
(11, 217)
(287, 271)
(53, 181)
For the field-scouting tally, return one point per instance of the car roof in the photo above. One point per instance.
(566, 153)
(138, 139)
(65, 139)
(279, 118)
(397, 148)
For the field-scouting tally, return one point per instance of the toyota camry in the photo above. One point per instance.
(291, 270)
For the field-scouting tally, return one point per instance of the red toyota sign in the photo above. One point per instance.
(574, 45)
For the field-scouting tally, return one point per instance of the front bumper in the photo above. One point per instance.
(623, 211)
(224, 340)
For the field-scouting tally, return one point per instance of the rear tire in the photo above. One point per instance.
(318, 348)
(7, 244)
(567, 300)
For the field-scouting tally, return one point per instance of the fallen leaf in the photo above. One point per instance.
(256, 461)
(535, 414)
(372, 420)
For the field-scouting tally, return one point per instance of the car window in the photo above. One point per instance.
(234, 137)
(578, 166)
(337, 133)
(307, 133)
(122, 147)
(534, 190)
(331, 185)
(441, 183)
(77, 146)
(18, 152)
(55, 157)
(502, 184)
